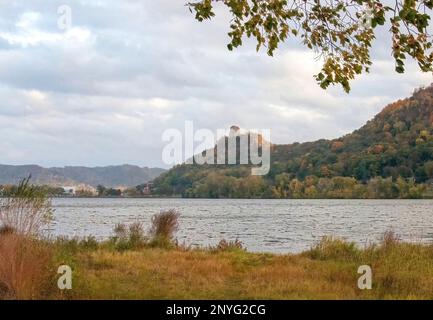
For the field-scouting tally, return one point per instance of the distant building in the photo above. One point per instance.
(147, 188)
(85, 190)
(70, 191)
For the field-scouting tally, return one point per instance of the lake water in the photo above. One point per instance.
(262, 225)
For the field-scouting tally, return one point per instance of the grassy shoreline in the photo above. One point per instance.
(327, 271)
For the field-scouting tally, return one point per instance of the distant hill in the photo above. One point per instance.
(396, 145)
(396, 142)
(110, 176)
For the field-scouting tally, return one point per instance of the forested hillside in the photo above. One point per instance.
(389, 157)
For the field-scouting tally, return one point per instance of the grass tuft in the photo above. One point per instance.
(128, 237)
(230, 245)
(330, 248)
(164, 226)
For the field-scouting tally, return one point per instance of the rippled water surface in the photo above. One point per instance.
(262, 225)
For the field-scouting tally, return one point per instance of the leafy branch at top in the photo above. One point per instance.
(340, 32)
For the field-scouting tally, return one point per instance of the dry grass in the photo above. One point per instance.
(161, 274)
(25, 261)
(328, 271)
(163, 227)
(26, 210)
(228, 245)
(25, 267)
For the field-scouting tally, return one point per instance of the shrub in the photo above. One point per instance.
(26, 210)
(120, 231)
(165, 224)
(330, 248)
(128, 237)
(389, 239)
(89, 242)
(136, 234)
(162, 230)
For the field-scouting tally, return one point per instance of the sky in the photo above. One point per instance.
(103, 90)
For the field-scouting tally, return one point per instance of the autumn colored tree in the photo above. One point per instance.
(340, 32)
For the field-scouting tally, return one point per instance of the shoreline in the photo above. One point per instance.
(179, 197)
(329, 270)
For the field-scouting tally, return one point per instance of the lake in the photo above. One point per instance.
(278, 226)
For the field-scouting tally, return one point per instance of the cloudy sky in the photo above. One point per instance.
(102, 91)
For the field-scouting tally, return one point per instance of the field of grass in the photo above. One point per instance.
(328, 271)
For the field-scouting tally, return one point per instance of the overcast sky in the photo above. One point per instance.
(103, 91)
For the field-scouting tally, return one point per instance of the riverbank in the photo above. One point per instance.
(327, 271)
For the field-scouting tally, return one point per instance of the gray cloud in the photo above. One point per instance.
(103, 92)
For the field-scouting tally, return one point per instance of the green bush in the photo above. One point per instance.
(330, 248)
(128, 237)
